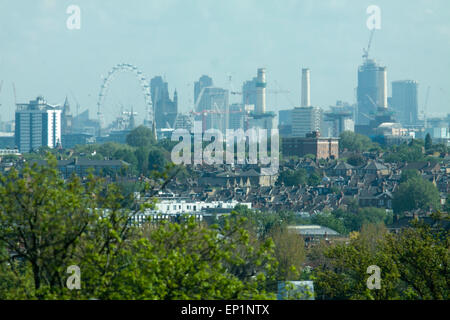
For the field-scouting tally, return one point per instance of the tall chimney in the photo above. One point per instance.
(306, 87)
(261, 92)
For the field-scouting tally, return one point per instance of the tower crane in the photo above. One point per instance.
(366, 51)
(76, 101)
(15, 95)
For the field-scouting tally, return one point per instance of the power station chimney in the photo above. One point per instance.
(306, 88)
(261, 92)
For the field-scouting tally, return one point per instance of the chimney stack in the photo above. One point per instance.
(306, 87)
(261, 92)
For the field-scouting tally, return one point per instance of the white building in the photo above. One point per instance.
(182, 206)
(169, 208)
(37, 124)
(306, 120)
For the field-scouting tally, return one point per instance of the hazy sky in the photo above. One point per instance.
(183, 39)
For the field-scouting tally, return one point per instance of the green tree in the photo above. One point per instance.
(428, 142)
(48, 224)
(414, 264)
(289, 252)
(416, 193)
(354, 142)
(409, 174)
(293, 178)
(141, 137)
(156, 160)
(142, 156)
(313, 179)
(356, 160)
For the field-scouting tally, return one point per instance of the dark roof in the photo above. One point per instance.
(343, 166)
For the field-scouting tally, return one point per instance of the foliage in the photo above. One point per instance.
(293, 178)
(313, 179)
(409, 174)
(47, 224)
(355, 218)
(141, 137)
(356, 160)
(354, 142)
(428, 142)
(406, 152)
(414, 265)
(416, 193)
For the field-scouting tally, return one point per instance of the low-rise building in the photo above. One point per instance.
(321, 148)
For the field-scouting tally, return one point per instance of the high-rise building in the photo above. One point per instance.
(404, 101)
(306, 120)
(371, 91)
(203, 82)
(249, 92)
(237, 116)
(212, 106)
(165, 109)
(37, 124)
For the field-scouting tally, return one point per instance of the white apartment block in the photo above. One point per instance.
(37, 124)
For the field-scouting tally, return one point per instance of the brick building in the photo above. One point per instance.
(321, 148)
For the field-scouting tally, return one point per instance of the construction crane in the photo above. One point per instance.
(15, 95)
(204, 113)
(366, 51)
(76, 101)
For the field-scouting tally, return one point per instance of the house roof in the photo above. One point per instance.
(313, 230)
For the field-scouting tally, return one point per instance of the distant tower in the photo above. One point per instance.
(132, 122)
(175, 98)
(371, 91)
(164, 108)
(404, 101)
(203, 82)
(66, 118)
(261, 85)
(306, 88)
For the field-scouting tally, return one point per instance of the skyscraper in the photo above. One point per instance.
(213, 106)
(203, 82)
(165, 109)
(249, 92)
(404, 101)
(371, 91)
(37, 124)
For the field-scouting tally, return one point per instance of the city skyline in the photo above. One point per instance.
(43, 57)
